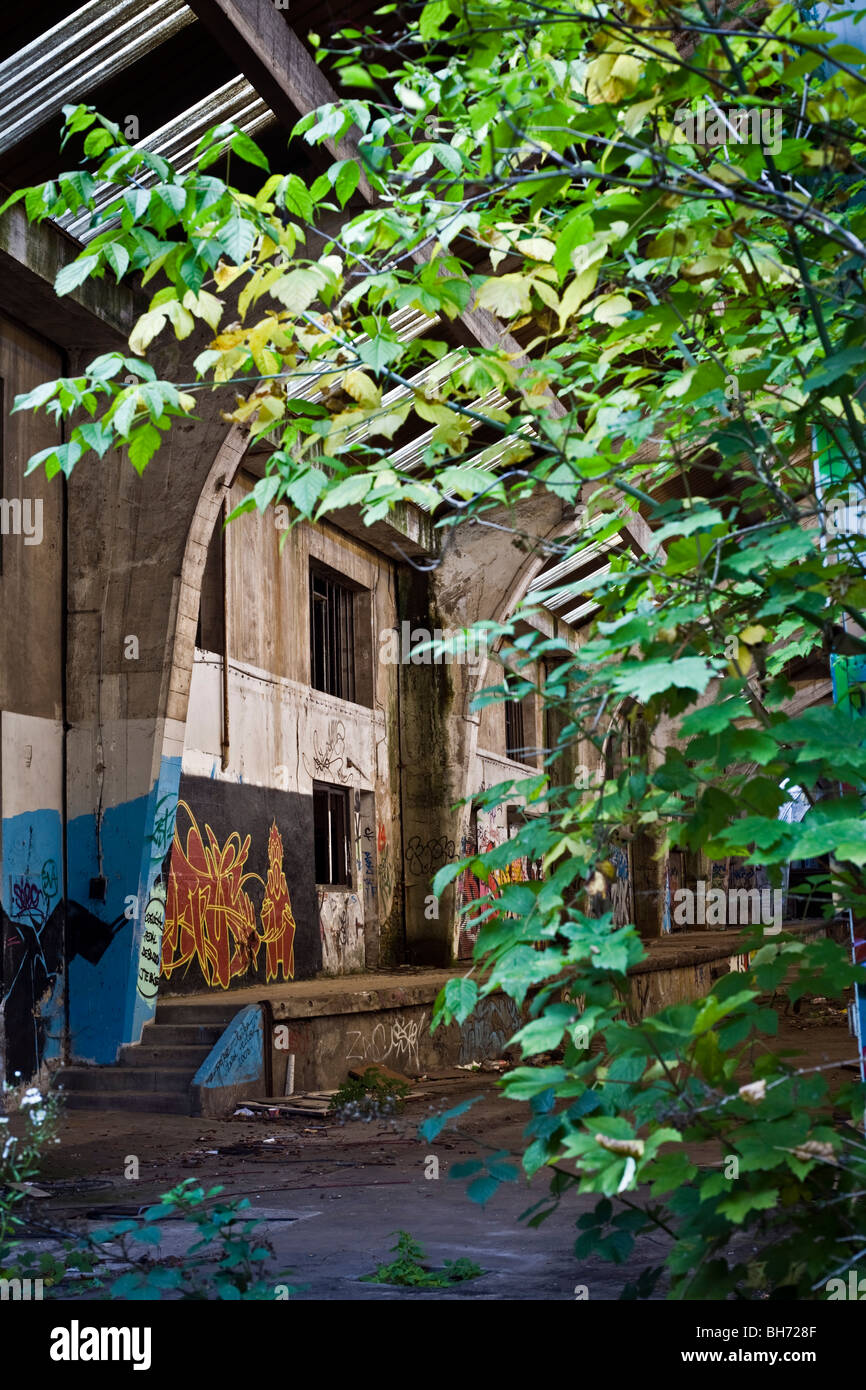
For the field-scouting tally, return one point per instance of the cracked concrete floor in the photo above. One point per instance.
(331, 1195)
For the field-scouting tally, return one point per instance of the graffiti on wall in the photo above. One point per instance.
(488, 833)
(395, 1043)
(425, 857)
(165, 814)
(378, 875)
(341, 927)
(210, 916)
(620, 890)
(329, 761)
(487, 1031)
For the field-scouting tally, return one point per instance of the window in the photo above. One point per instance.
(332, 636)
(515, 744)
(331, 835)
(210, 632)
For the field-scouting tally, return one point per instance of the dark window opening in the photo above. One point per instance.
(331, 835)
(332, 636)
(515, 743)
(210, 630)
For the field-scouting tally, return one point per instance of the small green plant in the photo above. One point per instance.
(225, 1262)
(409, 1269)
(368, 1097)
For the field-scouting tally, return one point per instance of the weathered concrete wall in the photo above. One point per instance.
(32, 961)
(328, 1046)
(282, 735)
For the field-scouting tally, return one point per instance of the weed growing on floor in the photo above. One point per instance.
(409, 1269)
(369, 1097)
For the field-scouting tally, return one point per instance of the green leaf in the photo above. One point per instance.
(377, 353)
(31, 400)
(482, 1189)
(294, 197)
(461, 996)
(143, 444)
(71, 276)
(643, 679)
(346, 181)
(851, 360)
(246, 148)
(739, 1204)
(433, 1126)
(305, 490)
(117, 257)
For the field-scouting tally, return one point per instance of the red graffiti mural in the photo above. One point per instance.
(210, 917)
(278, 920)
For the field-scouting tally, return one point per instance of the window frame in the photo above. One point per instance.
(339, 850)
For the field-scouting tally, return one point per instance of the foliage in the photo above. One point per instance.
(678, 313)
(225, 1261)
(369, 1096)
(21, 1158)
(409, 1269)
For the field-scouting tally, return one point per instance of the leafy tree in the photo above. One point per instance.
(665, 205)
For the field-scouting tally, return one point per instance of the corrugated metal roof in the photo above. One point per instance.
(94, 43)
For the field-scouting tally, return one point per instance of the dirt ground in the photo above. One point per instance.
(331, 1195)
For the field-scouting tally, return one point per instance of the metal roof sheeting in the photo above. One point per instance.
(91, 45)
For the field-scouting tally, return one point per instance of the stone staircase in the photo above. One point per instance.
(156, 1073)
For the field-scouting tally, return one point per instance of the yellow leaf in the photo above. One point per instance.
(547, 294)
(626, 72)
(539, 248)
(705, 267)
(362, 388)
(205, 306)
(505, 296)
(432, 411)
(146, 330)
(389, 422)
(610, 77)
(681, 385)
(754, 634)
(635, 115)
(225, 274)
(580, 289)
(611, 308)
(229, 339)
(182, 320)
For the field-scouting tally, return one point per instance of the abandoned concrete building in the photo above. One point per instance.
(227, 776)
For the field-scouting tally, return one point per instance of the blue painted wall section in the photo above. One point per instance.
(234, 1069)
(105, 1008)
(31, 930)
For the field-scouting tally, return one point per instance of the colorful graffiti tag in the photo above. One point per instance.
(471, 889)
(210, 917)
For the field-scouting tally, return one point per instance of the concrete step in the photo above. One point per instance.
(208, 1011)
(157, 1102)
(181, 1034)
(137, 1055)
(108, 1079)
